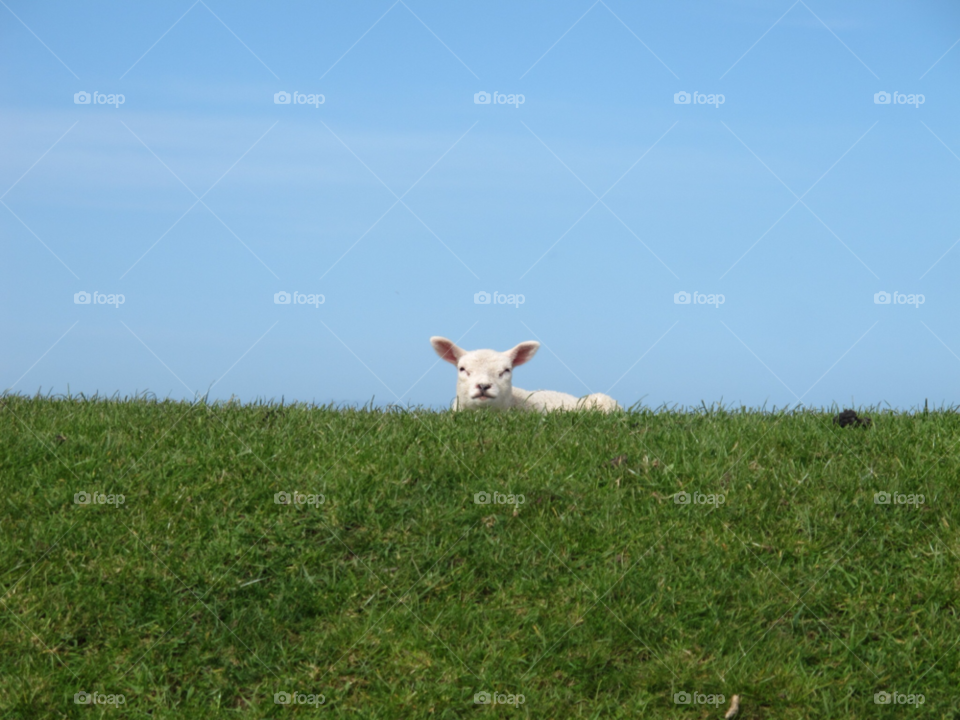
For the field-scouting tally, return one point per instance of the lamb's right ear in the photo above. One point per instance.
(447, 350)
(523, 352)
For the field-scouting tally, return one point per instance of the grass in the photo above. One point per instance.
(399, 596)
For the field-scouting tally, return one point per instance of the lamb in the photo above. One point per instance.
(484, 381)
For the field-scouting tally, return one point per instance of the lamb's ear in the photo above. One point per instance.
(447, 350)
(523, 352)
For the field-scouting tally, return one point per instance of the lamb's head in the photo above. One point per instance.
(484, 376)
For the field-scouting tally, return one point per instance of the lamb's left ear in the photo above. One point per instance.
(447, 349)
(523, 352)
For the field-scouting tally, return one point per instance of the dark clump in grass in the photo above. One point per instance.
(772, 555)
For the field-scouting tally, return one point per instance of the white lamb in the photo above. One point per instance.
(484, 381)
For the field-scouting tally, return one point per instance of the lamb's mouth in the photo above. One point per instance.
(483, 396)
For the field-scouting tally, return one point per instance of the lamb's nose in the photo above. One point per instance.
(483, 388)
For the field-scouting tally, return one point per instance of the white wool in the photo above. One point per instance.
(485, 381)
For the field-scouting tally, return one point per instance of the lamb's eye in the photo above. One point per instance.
(504, 372)
(463, 369)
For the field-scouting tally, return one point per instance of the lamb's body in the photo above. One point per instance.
(547, 400)
(484, 381)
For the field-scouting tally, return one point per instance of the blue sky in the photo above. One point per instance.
(399, 198)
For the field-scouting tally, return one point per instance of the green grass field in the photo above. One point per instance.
(399, 596)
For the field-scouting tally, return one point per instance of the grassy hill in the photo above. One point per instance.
(587, 587)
